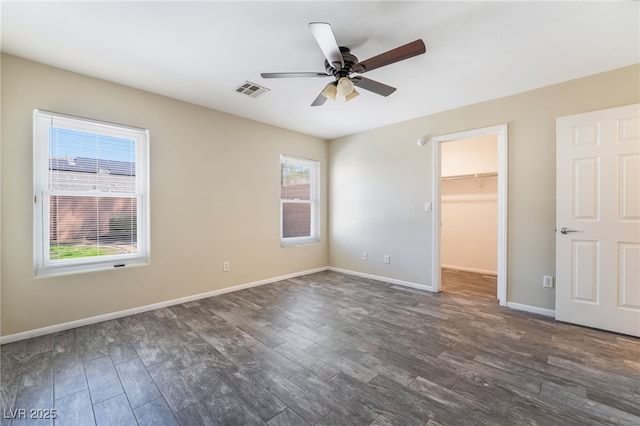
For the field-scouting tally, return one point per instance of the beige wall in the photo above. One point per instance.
(214, 193)
(380, 180)
(469, 208)
(469, 156)
(469, 217)
(214, 197)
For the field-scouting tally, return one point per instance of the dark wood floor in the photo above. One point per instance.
(327, 349)
(469, 284)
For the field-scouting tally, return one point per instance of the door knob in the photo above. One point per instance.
(565, 230)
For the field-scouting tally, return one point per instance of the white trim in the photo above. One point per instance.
(532, 309)
(501, 131)
(384, 279)
(119, 314)
(465, 269)
(108, 126)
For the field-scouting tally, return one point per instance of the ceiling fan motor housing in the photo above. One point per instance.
(350, 62)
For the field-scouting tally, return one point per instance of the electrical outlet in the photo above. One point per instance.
(547, 281)
(226, 266)
(365, 255)
(387, 259)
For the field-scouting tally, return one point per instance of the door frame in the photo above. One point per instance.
(501, 131)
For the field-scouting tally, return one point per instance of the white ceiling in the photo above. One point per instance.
(200, 52)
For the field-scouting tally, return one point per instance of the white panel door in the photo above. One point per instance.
(598, 219)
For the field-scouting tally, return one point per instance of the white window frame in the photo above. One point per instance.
(43, 265)
(314, 201)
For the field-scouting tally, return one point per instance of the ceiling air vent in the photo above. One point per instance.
(251, 89)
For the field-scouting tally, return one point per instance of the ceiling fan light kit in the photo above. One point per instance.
(330, 91)
(340, 63)
(352, 95)
(345, 86)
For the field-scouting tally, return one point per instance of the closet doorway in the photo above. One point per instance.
(470, 193)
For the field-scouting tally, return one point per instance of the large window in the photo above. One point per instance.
(91, 195)
(299, 211)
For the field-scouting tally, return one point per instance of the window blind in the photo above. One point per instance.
(298, 199)
(91, 189)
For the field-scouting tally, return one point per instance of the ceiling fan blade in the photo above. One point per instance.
(293, 74)
(327, 41)
(373, 86)
(321, 99)
(329, 91)
(406, 51)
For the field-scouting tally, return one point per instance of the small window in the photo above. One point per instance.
(91, 195)
(299, 205)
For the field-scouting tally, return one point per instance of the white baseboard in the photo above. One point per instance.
(384, 279)
(512, 305)
(465, 269)
(119, 314)
(532, 309)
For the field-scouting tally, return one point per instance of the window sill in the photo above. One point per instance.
(298, 243)
(56, 271)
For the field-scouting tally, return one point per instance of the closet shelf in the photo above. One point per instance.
(470, 176)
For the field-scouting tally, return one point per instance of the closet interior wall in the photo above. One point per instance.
(469, 205)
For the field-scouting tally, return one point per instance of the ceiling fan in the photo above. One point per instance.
(340, 63)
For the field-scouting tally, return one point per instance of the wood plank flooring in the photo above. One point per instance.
(469, 284)
(327, 349)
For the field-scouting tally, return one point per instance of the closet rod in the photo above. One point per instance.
(470, 176)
